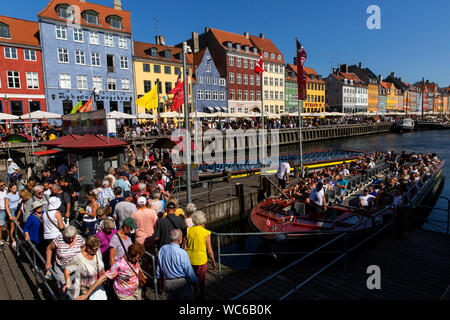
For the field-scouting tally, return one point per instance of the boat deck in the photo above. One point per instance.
(413, 267)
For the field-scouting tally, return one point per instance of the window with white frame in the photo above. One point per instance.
(231, 77)
(109, 40)
(281, 95)
(246, 95)
(97, 82)
(215, 95)
(266, 81)
(63, 55)
(214, 81)
(82, 82)
(258, 80)
(65, 81)
(32, 80)
(124, 63)
(126, 85)
(231, 61)
(222, 96)
(271, 95)
(238, 78)
(200, 95)
(281, 82)
(200, 79)
(78, 35)
(112, 84)
(10, 53)
(208, 68)
(271, 81)
(252, 95)
(272, 56)
(252, 80)
(207, 95)
(245, 63)
(123, 43)
(258, 95)
(29, 55)
(252, 64)
(208, 80)
(276, 95)
(232, 96)
(61, 33)
(94, 38)
(279, 57)
(276, 82)
(245, 79)
(239, 94)
(266, 54)
(13, 79)
(95, 59)
(222, 82)
(238, 62)
(266, 94)
(80, 57)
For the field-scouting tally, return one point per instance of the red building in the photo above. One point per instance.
(21, 75)
(235, 57)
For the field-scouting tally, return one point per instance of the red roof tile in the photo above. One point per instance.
(267, 46)
(224, 36)
(50, 12)
(143, 50)
(21, 31)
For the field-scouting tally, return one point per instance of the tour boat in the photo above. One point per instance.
(403, 125)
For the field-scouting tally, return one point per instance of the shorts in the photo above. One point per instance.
(282, 183)
(88, 229)
(2, 218)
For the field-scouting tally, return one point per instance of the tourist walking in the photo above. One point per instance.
(13, 171)
(165, 225)
(175, 269)
(125, 274)
(12, 201)
(198, 248)
(145, 220)
(124, 209)
(89, 215)
(121, 241)
(3, 215)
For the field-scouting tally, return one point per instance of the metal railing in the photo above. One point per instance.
(153, 276)
(34, 257)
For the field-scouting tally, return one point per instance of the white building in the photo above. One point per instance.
(346, 93)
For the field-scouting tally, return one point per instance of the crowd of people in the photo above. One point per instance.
(98, 251)
(405, 170)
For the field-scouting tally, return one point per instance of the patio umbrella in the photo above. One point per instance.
(6, 116)
(40, 115)
(119, 115)
(145, 116)
(170, 114)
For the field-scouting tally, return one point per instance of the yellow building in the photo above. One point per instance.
(391, 96)
(373, 96)
(315, 88)
(158, 62)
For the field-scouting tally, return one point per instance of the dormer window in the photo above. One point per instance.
(255, 50)
(266, 54)
(4, 31)
(246, 48)
(114, 21)
(238, 47)
(272, 56)
(91, 17)
(229, 45)
(279, 57)
(167, 54)
(153, 52)
(65, 11)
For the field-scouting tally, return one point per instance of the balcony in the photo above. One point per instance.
(111, 69)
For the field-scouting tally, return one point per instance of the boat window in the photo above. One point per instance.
(351, 220)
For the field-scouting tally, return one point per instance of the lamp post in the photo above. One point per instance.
(158, 83)
(6, 107)
(187, 140)
(31, 128)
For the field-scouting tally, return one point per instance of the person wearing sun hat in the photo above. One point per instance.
(34, 222)
(121, 241)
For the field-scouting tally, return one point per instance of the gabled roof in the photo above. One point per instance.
(143, 50)
(386, 85)
(50, 12)
(309, 71)
(22, 32)
(225, 36)
(267, 45)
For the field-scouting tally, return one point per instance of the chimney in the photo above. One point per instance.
(360, 65)
(117, 4)
(344, 68)
(160, 40)
(195, 42)
(261, 35)
(247, 35)
(380, 78)
(393, 75)
(207, 29)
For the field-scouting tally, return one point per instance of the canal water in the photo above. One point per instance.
(420, 142)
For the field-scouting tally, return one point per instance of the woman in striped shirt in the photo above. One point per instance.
(66, 247)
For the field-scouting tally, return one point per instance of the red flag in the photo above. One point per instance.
(178, 99)
(87, 107)
(259, 67)
(301, 74)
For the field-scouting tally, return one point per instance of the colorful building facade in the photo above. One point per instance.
(87, 52)
(21, 76)
(291, 90)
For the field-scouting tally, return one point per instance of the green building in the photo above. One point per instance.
(291, 94)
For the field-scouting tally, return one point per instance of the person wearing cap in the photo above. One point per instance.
(165, 225)
(125, 208)
(13, 170)
(121, 241)
(105, 195)
(145, 220)
(34, 222)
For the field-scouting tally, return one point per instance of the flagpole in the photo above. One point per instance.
(300, 124)
(187, 140)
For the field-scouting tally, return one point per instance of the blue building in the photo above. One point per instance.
(87, 52)
(209, 88)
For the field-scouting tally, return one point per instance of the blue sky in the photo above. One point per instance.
(413, 40)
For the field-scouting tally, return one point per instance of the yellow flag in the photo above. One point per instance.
(150, 100)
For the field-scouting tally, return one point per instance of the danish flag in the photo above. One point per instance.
(259, 68)
(268, 224)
